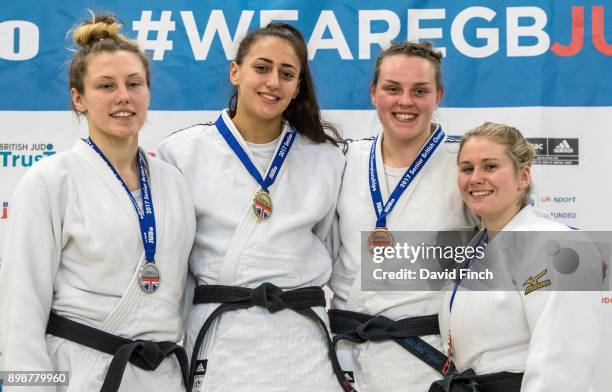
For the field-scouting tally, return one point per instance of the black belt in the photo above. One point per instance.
(267, 296)
(467, 381)
(360, 327)
(144, 354)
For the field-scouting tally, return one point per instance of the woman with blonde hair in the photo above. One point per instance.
(96, 254)
(530, 334)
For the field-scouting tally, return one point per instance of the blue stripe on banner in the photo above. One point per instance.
(510, 53)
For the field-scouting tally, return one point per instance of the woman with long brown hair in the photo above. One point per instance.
(265, 178)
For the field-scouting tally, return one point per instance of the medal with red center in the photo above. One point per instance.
(262, 205)
(149, 278)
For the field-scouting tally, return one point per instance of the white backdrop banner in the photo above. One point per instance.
(543, 66)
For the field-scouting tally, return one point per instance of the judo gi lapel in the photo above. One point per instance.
(248, 222)
(354, 297)
(399, 219)
(133, 297)
(106, 175)
(132, 293)
(380, 169)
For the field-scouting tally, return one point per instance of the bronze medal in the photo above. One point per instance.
(262, 205)
(448, 364)
(380, 237)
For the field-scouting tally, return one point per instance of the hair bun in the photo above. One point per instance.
(98, 28)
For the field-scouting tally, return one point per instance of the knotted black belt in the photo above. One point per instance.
(360, 327)
(144, 354)
(467, 381)
(267, 296)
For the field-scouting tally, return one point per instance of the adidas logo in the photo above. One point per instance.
(563, 148)
(200, 369)
(349, 376)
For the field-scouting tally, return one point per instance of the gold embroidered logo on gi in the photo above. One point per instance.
(532, 283)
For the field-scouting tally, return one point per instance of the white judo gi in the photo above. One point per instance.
(251, 349)
(431, 203)
(74, 246)
(551, 336)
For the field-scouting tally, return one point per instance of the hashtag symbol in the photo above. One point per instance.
(161, 43)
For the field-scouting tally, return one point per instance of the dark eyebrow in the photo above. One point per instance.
(418, 84)
(391, 81)
(112, 78)
(272, 62)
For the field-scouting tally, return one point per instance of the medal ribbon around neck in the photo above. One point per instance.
(275, 167)
(149, 274)
(384, 209)
(482, 242)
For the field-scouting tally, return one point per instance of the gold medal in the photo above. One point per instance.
(380, 237)
(262, 205)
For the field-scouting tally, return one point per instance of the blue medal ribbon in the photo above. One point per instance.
(277, 162)
(146, 216)
(384, 209)
(482, 242)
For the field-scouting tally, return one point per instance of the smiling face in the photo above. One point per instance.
(490, 184)
(115, 95)
(405, 97)
(267, 80)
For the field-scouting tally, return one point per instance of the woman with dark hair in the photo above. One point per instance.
(265, 177)
(99, 237)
